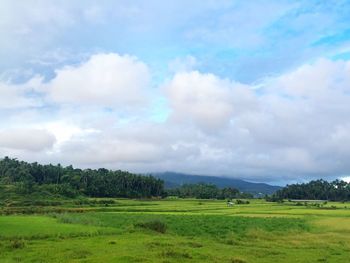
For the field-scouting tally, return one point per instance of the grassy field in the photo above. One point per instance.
(174, 231)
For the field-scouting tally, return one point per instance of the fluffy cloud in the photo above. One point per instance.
(322, 80)
(137, 146)
(293, 125)
(26, 139)
(205, 99)
(107, 80)
(107, 109)
(290, 127)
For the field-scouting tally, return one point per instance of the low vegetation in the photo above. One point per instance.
(155, 225)
(178, 230)
(42, 221)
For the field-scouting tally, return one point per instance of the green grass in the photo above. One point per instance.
(39, 227)
(177, 231)
(188, 225)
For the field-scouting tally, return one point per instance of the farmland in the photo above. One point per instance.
(174, 230)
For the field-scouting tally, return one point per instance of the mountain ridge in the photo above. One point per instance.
(173, 179)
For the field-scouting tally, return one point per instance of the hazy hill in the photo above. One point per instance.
(173, 180)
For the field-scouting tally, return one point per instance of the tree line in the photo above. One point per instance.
(28, 178)
(68, 181)
(206, 191)
(337, 190)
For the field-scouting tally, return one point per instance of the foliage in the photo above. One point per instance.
(155, 225)
(69, 182)
(17, 244)
(206, 191)
(337, 190)
(242, 202)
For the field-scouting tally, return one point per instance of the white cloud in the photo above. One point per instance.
(18, 96)
(293, 126)
(97, 151)
(107, 80)
(63, 131)
(26, 139)
(319, 81)
(107, 110)
(205, 99)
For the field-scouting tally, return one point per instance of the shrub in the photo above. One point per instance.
(17, 244)
(237, 260)
(85, 201)
(176, 254)
(194, 244)
(35, 203)
(242, 202)
(60, 189)
(155, 225)
(80, 254)
(274, 198)
(105, 201)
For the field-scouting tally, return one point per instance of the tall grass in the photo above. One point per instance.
(188, 225)
(155, 225)
(176, 231)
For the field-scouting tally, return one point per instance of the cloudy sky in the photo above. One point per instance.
(253, 89)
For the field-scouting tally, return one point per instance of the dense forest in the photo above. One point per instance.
(206, 191)
(337, 190)
(27, 178)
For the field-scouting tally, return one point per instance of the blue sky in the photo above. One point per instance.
(235, 88)
(243, 40)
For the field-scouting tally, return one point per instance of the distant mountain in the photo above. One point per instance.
(173, 180)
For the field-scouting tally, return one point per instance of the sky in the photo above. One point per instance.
(258, 90)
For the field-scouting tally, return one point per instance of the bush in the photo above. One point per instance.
(274, 198)
(34, 203)
(105, 202)
(85, 201)
(60, 189)
(237, 260)
(176, 254)
(17, 244)
(155, 225)
(242, 202)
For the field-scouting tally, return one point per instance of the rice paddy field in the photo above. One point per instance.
(174, 230)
